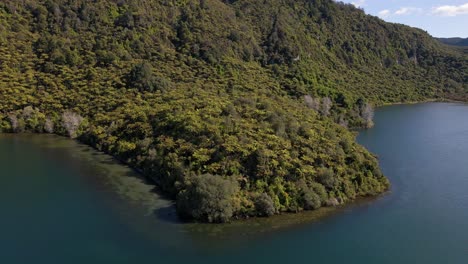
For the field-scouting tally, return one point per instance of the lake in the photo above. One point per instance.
(62, 202)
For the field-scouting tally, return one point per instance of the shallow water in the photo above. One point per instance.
(62, 202)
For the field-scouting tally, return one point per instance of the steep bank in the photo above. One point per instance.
(235, 108)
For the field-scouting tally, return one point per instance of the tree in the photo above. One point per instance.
(207, 198)
(326, 177)
(312, 103)
(143, 78)
(265, 205)
(71, 121)
(49, 126)
(326, 106)
(14, 122)
(33, 119)
(367, 113)
(311, 200)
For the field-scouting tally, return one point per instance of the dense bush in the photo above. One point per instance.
(142, 77)
(264, 205)
(311, 200)
(208, 198)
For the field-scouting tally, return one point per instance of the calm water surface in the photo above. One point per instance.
(61, 202)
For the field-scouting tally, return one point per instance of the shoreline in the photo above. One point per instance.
(439, 100)
(142, 192)
(312, 214)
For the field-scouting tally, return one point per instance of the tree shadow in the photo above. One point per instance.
(166, 213)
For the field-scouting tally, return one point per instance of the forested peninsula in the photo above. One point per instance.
(233, 108)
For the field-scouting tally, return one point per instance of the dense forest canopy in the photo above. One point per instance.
(234, 108)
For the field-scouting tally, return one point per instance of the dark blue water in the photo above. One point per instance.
(63, 203)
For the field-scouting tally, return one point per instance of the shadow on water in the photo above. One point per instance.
(167, 214)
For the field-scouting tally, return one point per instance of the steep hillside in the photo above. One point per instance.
(234, 108)
(459, 43)
(462, 42)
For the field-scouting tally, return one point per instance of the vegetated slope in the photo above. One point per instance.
(463, 42)
(234, 108)
(460, 43)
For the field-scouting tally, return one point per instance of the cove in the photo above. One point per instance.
(62, 202)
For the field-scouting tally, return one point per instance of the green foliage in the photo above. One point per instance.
(207, 198)
(142, 77)
(311, 200)
(326, 177)
(257, 91)
(265, 205)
